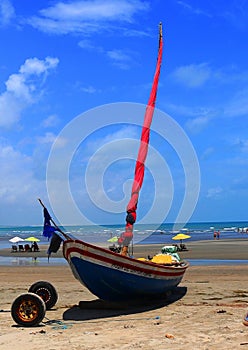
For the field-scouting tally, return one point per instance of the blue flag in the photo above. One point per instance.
(48, 229)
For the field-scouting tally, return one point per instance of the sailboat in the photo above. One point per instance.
(113, 276)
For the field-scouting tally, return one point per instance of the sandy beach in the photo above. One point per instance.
(205, 312)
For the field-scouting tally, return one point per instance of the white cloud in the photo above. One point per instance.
(50, 121)
(197, 124)
(193, 75)
(16, 177)
(37, 67)
(94, 10)
(89, 89)
(196, 75)
(234, 12)
(86, 16)
(214, 192)
(181, 109)
(125, 132)
(10, 110)
(18, 87)
(194, 10)
(238, 106)
(22, 89)
(189, 111)
(119, 58)
(197, 118)
(48, 138)
(242, 144)
(88, 45)
(7, 12)
(207, 153)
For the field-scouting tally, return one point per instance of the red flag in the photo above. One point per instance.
(127, 236)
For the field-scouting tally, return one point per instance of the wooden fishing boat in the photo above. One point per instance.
(114, 277)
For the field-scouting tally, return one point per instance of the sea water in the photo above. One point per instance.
(143, 234)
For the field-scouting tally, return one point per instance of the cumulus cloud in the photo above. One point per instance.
(22, 89)
(37, 67)
(86, 16)
(16, 176)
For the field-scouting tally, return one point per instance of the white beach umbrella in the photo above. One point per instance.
(16, 239)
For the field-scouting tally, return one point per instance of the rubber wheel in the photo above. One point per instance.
(28, 310)
(245, 320)
(46, 291)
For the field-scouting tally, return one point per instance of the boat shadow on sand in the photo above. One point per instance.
(96, 309)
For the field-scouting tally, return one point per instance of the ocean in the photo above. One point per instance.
(143, 234)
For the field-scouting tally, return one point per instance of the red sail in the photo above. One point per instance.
(126, 237)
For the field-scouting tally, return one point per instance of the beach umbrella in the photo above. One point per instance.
(113, 239)
(181, 236)
(32, 239)
(16, 239)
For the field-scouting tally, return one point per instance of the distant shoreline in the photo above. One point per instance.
(123, 224)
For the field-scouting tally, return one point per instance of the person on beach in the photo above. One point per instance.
(218, 234)
(215, 234)
(35, 247)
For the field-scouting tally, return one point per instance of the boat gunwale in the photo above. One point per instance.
(123, 261)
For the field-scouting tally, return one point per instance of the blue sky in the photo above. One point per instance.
(60, 59)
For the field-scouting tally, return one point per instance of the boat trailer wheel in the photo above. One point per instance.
(46, 291)
(28, 310)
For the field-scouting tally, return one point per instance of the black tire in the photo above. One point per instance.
(46, 291)
(28, 310)
(245, 320)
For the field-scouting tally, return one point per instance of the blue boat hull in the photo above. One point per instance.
(114, 277)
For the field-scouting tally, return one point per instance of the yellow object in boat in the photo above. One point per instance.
(142, 259)
(162, 259)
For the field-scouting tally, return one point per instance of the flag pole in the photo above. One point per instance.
(53, 222)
